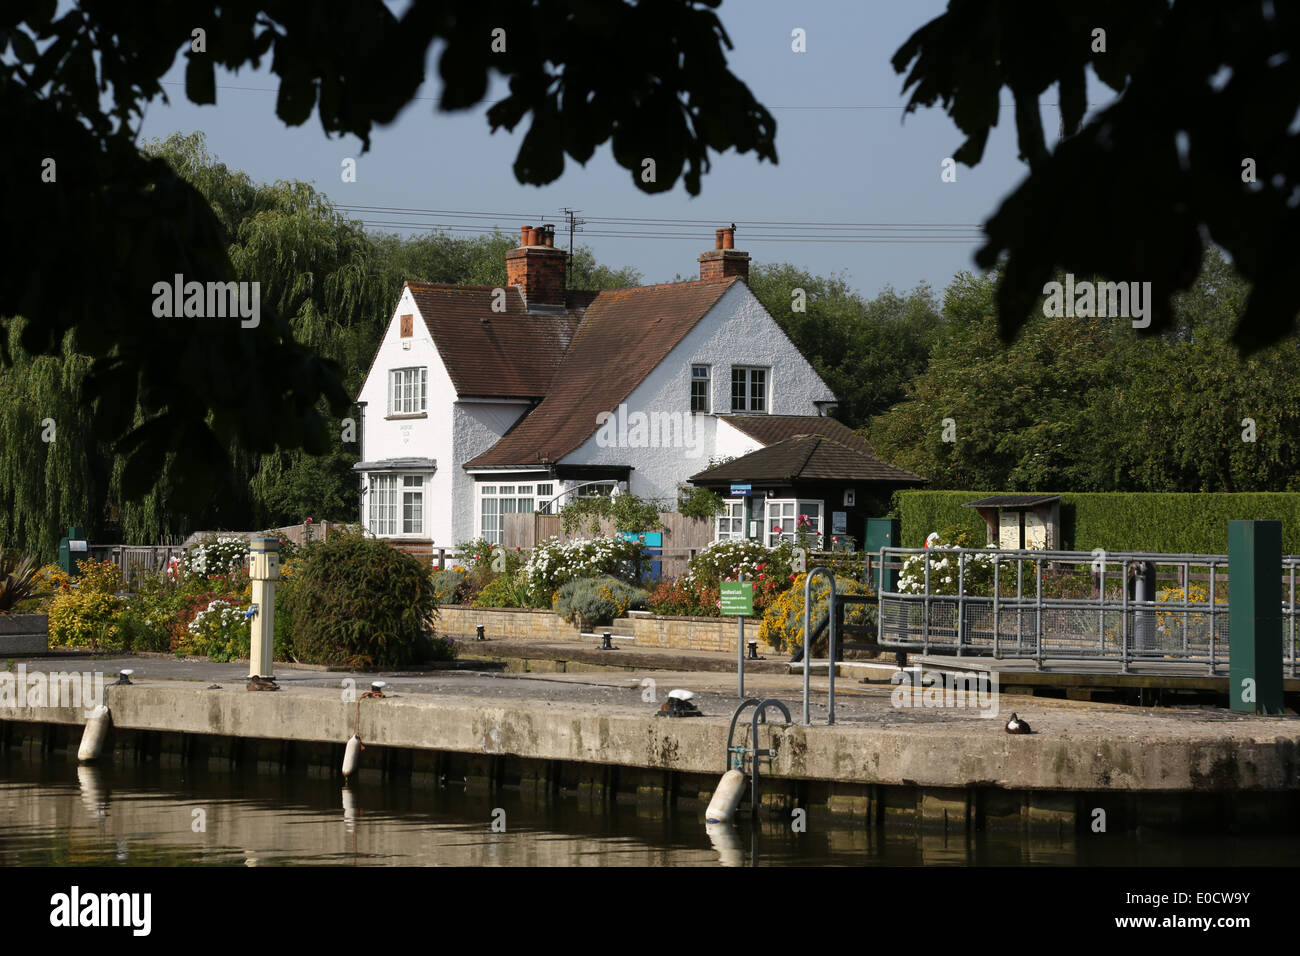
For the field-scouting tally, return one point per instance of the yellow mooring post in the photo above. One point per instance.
(264, 571)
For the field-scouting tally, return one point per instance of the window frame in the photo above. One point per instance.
(408, 392)
(706, 399)
(764, 398)
(797, 505)
(734, 512)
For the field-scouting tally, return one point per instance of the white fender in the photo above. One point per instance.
(726, 798)
(96, 732)
(351, 756)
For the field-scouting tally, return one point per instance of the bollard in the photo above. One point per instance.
(478, 633)
(607, 641)
(753, 650)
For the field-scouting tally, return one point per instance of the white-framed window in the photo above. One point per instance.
(383, 504)
(408, 391)
(748, 389)
(730, 524)
(412, 504)
(396, 504)
(497, 501)
(700, 389)
(786, 517)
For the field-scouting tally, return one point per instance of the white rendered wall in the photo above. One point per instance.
(736, 331)
(428, 437)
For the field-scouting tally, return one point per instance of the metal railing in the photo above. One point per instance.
(1069, 605)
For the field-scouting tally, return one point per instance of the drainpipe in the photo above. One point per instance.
(361, 454)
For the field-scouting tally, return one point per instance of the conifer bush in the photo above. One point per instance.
(357, 602)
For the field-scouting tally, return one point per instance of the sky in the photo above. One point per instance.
(847, 155)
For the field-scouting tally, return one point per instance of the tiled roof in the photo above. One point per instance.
(806, 458)
(624, 334)
(514, 353)
(770, 429)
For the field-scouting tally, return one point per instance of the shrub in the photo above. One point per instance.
(590, 602)
(357, 602)
(216, 555)
(685, 598)
(505, 590)
(555, 562)
(771, 570)
(975, 579)
(85, 618)
(449, 586)
(219, 631)
(1174, 523)
(728, 560)
(782, 625)
(102, 577)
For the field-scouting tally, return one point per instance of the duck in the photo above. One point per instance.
(262, 683)
(1017, 726)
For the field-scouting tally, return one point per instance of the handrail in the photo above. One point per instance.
(807, 643)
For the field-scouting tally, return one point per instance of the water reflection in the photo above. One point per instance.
(55, 813)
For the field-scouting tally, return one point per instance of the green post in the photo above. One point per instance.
(1255, 616)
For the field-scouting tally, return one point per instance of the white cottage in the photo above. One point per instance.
(483, 401)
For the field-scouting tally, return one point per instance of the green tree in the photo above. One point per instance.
(1206, 97)
(175, 396)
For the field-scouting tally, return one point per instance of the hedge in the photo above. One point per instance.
(1117, 521)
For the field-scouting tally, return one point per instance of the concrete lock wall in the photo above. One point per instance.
(1241, 776)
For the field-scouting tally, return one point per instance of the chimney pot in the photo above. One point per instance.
(537, 268)
(728, 238)
(717, 238)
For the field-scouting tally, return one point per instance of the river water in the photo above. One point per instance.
(56, 813)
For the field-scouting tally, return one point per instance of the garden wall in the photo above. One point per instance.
(1117, 521)
(694, 633)
(690, 633)
(531, 623)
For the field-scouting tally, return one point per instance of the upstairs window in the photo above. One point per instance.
(700, 382)
(748, 389)
(408, 391)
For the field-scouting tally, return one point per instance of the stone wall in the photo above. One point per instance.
(528, 623)
(694, 633)
(690, 633)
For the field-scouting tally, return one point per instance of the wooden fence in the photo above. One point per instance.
(136, 560)
(682, 536)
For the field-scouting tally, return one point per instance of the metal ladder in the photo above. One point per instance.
(734, 758)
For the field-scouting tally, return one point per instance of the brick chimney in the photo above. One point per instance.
(724, 260)
(537, 267)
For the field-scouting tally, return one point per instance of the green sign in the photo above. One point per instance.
(737, 598)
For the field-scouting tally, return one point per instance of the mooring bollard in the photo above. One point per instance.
(607, 641)
(478, 633)
(753, 650)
